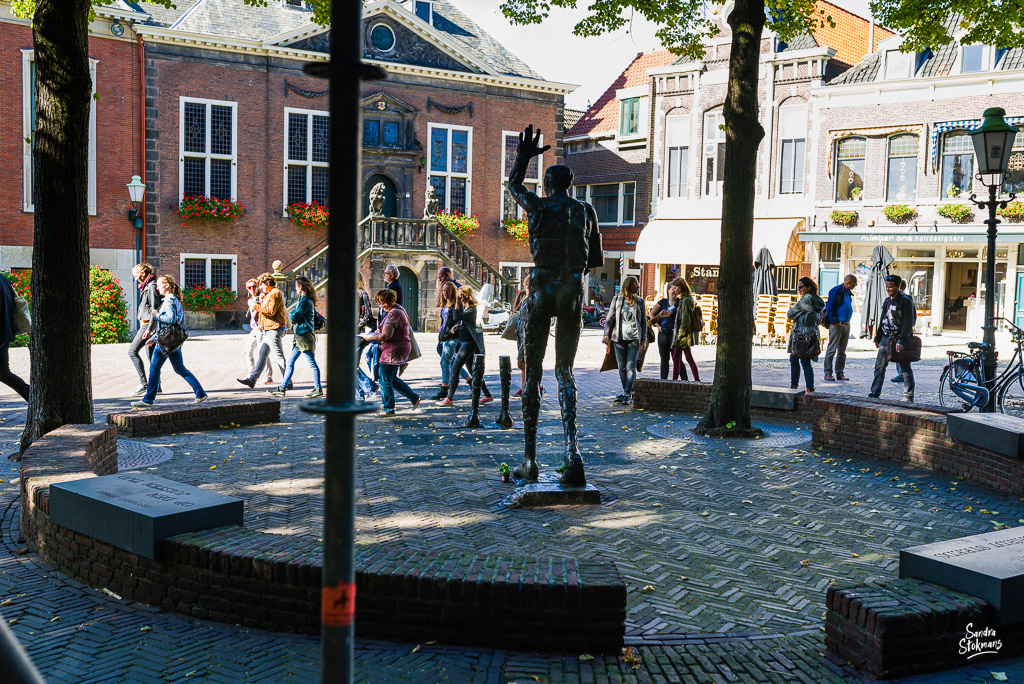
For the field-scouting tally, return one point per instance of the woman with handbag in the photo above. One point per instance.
(804, 343)
(303, 337)
(149, 302)
(685, 336)
(447, 340)
(394, 335)
(663, 315)
(170, 336)
(626, 333)
(471, 343)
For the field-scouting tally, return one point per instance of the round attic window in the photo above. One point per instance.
(382, 37)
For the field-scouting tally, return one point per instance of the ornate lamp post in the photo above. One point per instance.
(993, 142)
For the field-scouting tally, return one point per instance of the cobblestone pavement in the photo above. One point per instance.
(727, 549)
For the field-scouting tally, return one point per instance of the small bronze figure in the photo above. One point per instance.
(478, 383)
(565, 243)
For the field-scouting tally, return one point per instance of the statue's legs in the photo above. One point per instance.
(536, 342)
(570, 323)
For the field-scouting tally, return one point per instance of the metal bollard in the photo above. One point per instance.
(505, 369)
(478, 383)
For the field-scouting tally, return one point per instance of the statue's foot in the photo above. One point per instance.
(526, 471)
(573, 475)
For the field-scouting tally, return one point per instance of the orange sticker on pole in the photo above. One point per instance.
(338, 605)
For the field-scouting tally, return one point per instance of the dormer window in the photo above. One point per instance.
(898, 64)
(974, 58)
(425, 10)
(629, 118)
(294, 4)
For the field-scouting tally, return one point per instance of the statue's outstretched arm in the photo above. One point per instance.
(528, 148)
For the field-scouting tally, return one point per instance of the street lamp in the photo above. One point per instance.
(993, 143)
(136, 189)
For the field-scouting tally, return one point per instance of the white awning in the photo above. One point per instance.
(698, 241)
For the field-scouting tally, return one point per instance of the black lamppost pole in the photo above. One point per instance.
(993, 143)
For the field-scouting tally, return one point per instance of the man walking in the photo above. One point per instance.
(839, 310)
(273, 321)
(897, 324)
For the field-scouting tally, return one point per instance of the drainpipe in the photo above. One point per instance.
(141, 237)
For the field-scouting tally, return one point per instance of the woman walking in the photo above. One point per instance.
(149, 303)
(447, 340)
(170, 312)
(804, 345)
(684, 335)
(626, 331)
(252, 344)
(664, 313)
(303, 337)
(394, 335)
(365, 386)
(471, 343)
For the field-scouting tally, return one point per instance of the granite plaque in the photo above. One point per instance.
(989, 566)
(136, 512)
(996, 432)
(774, 397)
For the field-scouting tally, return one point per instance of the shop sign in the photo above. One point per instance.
(701, 272)
(923, 237)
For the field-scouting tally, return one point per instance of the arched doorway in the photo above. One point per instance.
(410, 294)
(390, 195)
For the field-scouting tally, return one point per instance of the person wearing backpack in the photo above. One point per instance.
(838, 312)
(303, 319)
(687, 332)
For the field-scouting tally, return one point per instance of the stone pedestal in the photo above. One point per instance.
(547, 491)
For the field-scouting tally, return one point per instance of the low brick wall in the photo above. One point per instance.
(913, 434)
(897, 628)
(273, 582)
(206, 416)
(678, 396)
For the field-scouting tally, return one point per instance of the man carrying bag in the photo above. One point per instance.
(895, 339)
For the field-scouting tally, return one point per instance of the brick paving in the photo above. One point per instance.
(727, 550)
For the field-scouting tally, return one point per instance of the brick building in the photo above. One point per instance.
(892, 132)
(608, 151)
(688, 148)
(115, 143)
(230, 113)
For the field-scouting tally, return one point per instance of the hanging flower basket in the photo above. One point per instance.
(207, 298)
(1014, 212)
(460, 224)
(312, 215)
(209, 210)
(517, 228)
(899, 213)
(844, 218)
(957, 213)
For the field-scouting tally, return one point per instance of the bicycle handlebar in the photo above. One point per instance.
(1016, 331)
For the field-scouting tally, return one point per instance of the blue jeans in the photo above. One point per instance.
(795, 363)
(364, 385)
(389, 382)
(446, 350)
(179, 367)
(373, 360)
(626, 352)
(291, 367)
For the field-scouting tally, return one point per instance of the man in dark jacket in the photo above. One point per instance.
(897, 323)
(839, 310)
(7, 308)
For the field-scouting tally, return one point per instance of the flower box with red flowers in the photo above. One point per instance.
(195, 298)
(517, 228)
(196, 209)
(460, 224)
(312, 215)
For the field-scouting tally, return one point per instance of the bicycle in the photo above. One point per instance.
(961, 386)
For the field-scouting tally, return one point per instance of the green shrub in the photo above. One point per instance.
(21, 281)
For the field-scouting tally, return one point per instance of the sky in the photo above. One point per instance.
(591, 63)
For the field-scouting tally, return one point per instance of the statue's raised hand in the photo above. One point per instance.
(528, 143)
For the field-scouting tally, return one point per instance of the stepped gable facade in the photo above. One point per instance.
(230, 113)
(115, 142)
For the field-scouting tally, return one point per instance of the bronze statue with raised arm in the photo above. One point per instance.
(565, 243)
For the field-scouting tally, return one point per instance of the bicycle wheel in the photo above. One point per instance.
(958, 371)
(1011, 396)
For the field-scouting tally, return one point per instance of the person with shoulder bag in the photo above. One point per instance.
(365, 320)
(663, 315)
(895, 339)
(149, 302)
(394, 336)
(625, 332)
(447, 338)
(471, 343)
(170, 336)
(254, 341)
(273, 321)
(303, 337)
(804, 343)
(686, 334)
(9, 331)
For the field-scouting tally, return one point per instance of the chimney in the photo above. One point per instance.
(871, 34)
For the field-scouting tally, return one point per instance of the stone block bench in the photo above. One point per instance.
(240, 576)
(993, 431)
(209, 415)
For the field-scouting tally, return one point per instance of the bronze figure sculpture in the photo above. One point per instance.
(565, 244)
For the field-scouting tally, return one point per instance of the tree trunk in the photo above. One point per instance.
(729, 410)
(60, 345)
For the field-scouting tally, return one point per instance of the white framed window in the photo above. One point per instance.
(28, 127)
(677, 155)
(306, 156)
(208, 148)
(425, 10)
(294, 4)
(901, 171)
(510, 142)
(957, 165)
(975, 58)
(450, 166)
(629, 116)
(209, 270)
(792, 143)
(898, 64)
(615, 203)
(714, 153)
(515, 270)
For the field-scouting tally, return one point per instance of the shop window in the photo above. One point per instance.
(677, 155)
(1015, 183)
(629, 116)
(714, 153)
(829, 251)
(901, 181)
(850, 169)
(792, 137)
(450, 168)
(957, 165)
